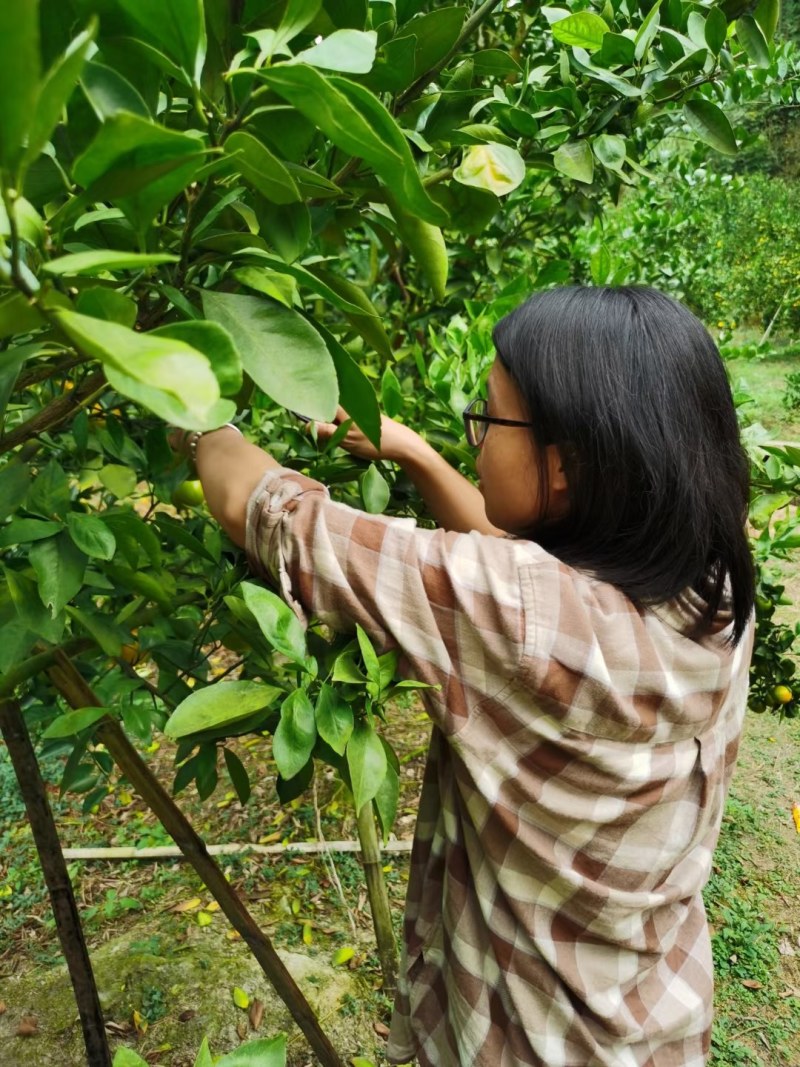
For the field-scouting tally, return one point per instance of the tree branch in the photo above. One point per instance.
(56, 412)
(422, 83)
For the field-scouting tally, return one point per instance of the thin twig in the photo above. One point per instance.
(327, 858)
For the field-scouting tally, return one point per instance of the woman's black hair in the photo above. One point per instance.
(630, 387)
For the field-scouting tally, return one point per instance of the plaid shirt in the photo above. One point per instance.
(574, 789)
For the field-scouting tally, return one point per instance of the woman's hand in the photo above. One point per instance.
(397, 441)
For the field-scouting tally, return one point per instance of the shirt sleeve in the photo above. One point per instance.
(449, 602)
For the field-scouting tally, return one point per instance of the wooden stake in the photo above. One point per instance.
(54, 869)
(75, 690)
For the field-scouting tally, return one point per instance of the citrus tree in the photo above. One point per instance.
(229, 208)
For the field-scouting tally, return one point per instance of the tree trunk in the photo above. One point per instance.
(73, 687)
(378, 897)
(54, 869)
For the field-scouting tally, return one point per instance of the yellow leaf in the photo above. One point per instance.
(203, 918)
(188, 905)
(343, 955)
(240, 998)
(308, 937)
(212, 905)
(268, 838)
(124, 797)
(233, 935)
(139, 1022)
(796, 816)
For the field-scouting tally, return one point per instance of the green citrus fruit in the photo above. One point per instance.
(188, 495)
(782, 694)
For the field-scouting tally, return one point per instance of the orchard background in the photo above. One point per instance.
(227, 209)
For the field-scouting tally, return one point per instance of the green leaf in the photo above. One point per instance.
(127, 1057)
(30, 610)
(277, 622)
(222, 703)
(19, 76)
(21, 531)
(710, 125)
(647, 31)
(367, 321)
(109, 304)
(15, 480)
(98, 260)
(386, 800)
(600, 265)
(203, 1056)
(158, 588)
(138, 165)
(109, 92)
(356, 390)
(216, 344)
(240, 998)
(91, 535)
(617, 51)
(282, 352)
(585, 29)
(60, 567)
(574, 159)
(374, 489)
(345, 669)
(716, 30)
(261, 1053)
(49, 495)
(334, 718)
(435, 33)
(767, 14)
(426, 244)
(305, 277)
(295, 735)
(366, 762)
(238, 775)
(157, 362)
(494, 167)
(753, 41)
(764, 506)
(610, 149)
(350, 51)
(264, 171)
(370, 657)
(18, 315)
(74, 721)
(56, 90)
(99, 628)
(360, 125)
(118, 479)
(178, 27)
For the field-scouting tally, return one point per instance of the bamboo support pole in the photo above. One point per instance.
(75, 690)
(166, 852)
(54, 869)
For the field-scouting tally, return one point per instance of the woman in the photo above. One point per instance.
(586, 615)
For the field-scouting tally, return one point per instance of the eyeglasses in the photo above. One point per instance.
(476, 421)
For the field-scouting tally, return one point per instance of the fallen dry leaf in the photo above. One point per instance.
(185, 1016)
(187, 905)
(381, 1029)
(752, 983)
(786, 948)
(256, 1013)
(3, 1008)
(241, 1029)
(28, 1026)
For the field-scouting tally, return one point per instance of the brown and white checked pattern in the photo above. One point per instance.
(580, 757)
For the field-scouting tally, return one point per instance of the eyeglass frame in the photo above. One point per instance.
(472, 417)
